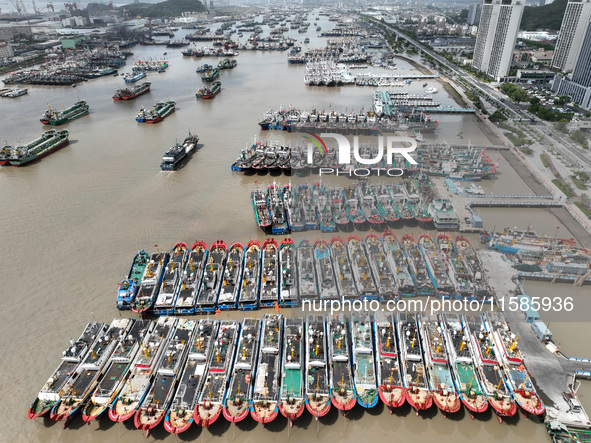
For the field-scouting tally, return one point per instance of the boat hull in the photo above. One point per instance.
(318, 408)
(206, 416)
(419, 399)
(393, 397)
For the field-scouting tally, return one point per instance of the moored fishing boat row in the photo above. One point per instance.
(335, 208)
(201, 279)
(180, 372)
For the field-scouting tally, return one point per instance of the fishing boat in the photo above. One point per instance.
(458, 269)
(151, 281)
(293, 398)
(176, 155)
(87, 375)
(464, 249)
(158, 399)
(277, 210)
(248, 299)
(417, 266)
(306, 271)
(293, 208)
(418, 390)
(380, 267)
(128, 94)
(373, 213)
(211, 400)
(342, 268)
(337, 205)
(352, 205)
(209, 76)
(397, 259)
(209, 92)
(488, 368)
(435, 266)
(61, 379)
(49, 142)
(463, 369)
(508, 353)
(391, 388)
(160, 111)
(364, 369)
(317, 372)
(227, 64)
(230, 288)
(342, 388)
(261, 208)
(288, 281)
(53, 117)
(212, 277)
(179, 416)
(144, 368)
(129, 286)
(265, 395)
(117, 372)
(171, 280)
(436, 357)
(203, 68)
(323, 208)
(385, 203)
(134, 76)
(308, 207)
(191, 279)
(324, 271)
(362, 274)
(237, 401)
(269, 273)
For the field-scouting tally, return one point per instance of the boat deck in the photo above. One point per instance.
(214, 388)
(266, 385)
(306, 272)
(361, 269)
(326, 277)
(441, 376)
(467, 378)
(415, 374)
(344, 273)
(116, 372)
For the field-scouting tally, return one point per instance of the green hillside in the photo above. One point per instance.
(168, 8)
(548, 17)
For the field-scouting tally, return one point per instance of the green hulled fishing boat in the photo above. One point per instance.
(52, 117)
(49, 142)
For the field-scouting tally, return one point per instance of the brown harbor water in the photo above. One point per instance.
(72, 222)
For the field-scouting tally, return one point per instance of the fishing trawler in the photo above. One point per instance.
(207, 92)
(364, 370)
(212, 277)
(144, 368)
(86, 378)
(230, 289)
(342, 388)
(464, 249)
(361, 268)
(251, 277)
(179, 416)
(171, 280)
(118, 370)
(288, 281)
(237, 401)
(53, 117)
(458, 269)
(306, 271)
(160, 111)
(211, 400)
(337, 205)
(417, 266)
(211, 75)
(342, 268)
(158, 399)
(261, 208)
(488, 368)
(418, 389)
(397, 260)
(49, 142)
(385, 203)
(352, 206)
(265, 396)
(308, 207)
(518, 379)
(368, 204)
(391, 388)
(380, 267)
(437, 364)
(61, 379)
(316, 376)
(179, 153)
(293, 399)
(191, 279)
(466, 380)
(128, 94)
(269, 295)
(150, 283)
(278, 217)
(435, 266)
(323, 208)
(134, 76)
(293, 208)
(324, 271)
(129, 286)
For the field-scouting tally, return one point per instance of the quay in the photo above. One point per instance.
(576, 280)
(515, 204)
